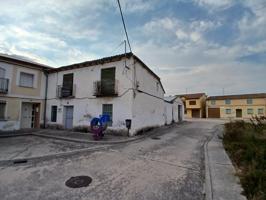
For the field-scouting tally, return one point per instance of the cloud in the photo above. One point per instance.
(202, 45)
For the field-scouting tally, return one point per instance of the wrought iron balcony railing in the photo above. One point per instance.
(66, 91)
(105, 88)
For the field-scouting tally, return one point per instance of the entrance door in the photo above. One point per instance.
(26, 115)
(180, 113)
(239, 113)
(213, 112)
(195, 113)
(68, 117)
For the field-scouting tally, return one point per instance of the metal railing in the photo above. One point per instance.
(105, 88)
(4, 85)
(66, 92)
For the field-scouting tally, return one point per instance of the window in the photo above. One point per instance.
(260, 111)
(213, 102)
(2, 110)
(228, 101)
(108, 110)
(192, 102)
(250, 111)
(157, 86)
(228, 111)
(53, 113)
(108, 81)
(2, 72)
(26, 80)
(249, 101)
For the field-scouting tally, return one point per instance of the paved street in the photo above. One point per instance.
(169, 166)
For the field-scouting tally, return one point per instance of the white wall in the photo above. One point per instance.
(87, 106)
(168, 111)
(148, 111)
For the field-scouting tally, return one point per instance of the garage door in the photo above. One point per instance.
(195, 113)
(214, 112)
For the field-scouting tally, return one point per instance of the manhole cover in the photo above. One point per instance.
(155, 138)
(78, 181)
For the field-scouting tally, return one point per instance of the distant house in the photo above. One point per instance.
(242, 106)
(22, 93)
(194, 104)
(173, 109)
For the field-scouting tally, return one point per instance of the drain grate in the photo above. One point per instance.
(155, 138)
(20, 161)
(78, 181)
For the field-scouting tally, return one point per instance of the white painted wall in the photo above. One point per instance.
(168, 107)
(87, 106)
(145, 110)
(148, 110)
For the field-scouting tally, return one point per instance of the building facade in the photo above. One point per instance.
(243, 106)
(22, 93)
(173, 110)
(121, 86)
(194, 105)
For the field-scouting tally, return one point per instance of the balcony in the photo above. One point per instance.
(105, 88)
(4, 85)
(66, 92)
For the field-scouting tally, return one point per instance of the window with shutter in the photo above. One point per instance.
(108, 110)
(26, 79)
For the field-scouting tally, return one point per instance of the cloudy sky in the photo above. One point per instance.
(193, 45)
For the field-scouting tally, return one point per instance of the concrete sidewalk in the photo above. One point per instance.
(220, 179)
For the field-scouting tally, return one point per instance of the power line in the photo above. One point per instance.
(123, 21)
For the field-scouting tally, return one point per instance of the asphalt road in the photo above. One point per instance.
(170, 166)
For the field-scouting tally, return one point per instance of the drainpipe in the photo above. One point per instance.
(45, 99)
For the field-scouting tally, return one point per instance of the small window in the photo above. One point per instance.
(192, 102)
(157, 86)
(228, 101)
(260, 111)
(228, 111)
(250, 111)
(249, 101)
(2, 110)
(53, 113)
(213, 102)
(26, 79)
(108, 110)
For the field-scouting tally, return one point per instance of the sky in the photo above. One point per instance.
(212, 46)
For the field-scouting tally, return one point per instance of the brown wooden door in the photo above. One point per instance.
(213, 112)
(239, 113)
(195, 113)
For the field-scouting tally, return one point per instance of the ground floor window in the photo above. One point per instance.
(108, 110)
(2, 110)
(260, 111)
(53, 113)
(250, 111)
(228, 111)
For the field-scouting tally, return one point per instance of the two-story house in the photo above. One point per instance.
(121, 86)
(242, 106)
(22, 93)
(194, 104)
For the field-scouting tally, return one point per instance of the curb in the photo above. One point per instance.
(231, 188)
(208, 188)
(84, 141)
(14, 135)
(50, 156)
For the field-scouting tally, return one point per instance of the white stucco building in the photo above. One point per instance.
(121, 86)
(173, 109)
